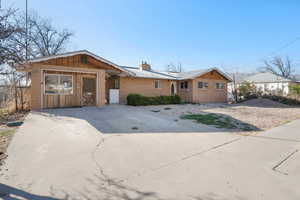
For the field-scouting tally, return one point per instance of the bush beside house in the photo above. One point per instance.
(283, 99)
(246, 90)
(140, 100)
(295, 91)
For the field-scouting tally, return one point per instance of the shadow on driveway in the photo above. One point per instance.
(112, 191)
(11, 193)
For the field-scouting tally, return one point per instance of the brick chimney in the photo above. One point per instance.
(145, 66)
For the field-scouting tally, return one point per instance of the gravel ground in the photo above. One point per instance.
(261, 113)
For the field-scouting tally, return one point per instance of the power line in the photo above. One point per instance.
(286, 45)
(279, 49)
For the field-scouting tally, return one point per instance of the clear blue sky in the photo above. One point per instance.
(230, 34)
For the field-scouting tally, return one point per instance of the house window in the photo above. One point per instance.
(181, 85)
(220, 85)
(51, 84)
(116, 84)
(58, 84)
(202, 85)
(157, 84)
(184, 85)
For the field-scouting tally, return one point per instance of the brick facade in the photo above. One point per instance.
(143, 86)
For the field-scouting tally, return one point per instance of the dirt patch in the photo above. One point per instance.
(6, 133)
(6, 117)
(260, 113)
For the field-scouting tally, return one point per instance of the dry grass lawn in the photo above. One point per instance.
(261, 113)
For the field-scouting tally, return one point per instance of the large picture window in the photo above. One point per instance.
(58, 84)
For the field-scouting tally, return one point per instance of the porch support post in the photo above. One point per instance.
(100, 97)
(36, 89)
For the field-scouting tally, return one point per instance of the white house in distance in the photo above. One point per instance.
(265, 82)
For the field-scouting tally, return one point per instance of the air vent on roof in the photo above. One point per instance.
(83, 59)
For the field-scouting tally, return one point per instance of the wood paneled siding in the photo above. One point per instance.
(78, 66)
(69, 100)
(78, 61)
(40, 100)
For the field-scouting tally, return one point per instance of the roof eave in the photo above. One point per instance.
(147, 77)
(86, 52)
(207, 71)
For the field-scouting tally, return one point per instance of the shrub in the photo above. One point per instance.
(247, 90)
(295, 90)
(140, 100)
(136, 100)
(284, 100)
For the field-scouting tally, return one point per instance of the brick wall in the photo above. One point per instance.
(210, 94)
(142, 86)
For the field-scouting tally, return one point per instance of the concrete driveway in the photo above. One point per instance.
(129, 119)
(79, 154)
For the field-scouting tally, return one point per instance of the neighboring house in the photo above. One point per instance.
(266, 83)
(82, 78)
(297, 78)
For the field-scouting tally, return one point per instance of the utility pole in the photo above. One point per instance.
(26, 36)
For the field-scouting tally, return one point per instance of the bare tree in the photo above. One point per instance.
(43, 40)
(174, 68)
(279, 67)
(7, 29)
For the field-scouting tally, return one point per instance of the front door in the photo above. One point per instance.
(173, 88)
(88, 91)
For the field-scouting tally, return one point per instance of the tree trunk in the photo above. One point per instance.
(16, 97)
(21, 99)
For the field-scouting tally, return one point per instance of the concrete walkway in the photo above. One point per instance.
(66, 157)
